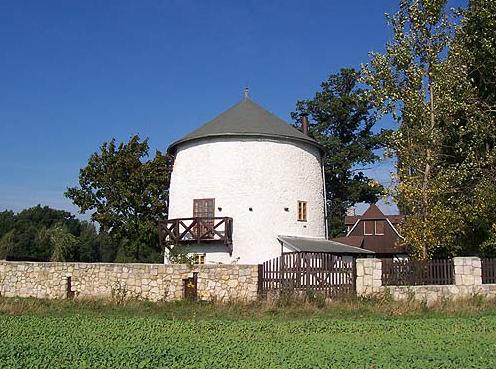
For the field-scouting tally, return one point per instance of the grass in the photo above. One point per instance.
(287, 333)
(289, 307)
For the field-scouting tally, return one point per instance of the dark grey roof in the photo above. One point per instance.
(245, 119)
(306, 244)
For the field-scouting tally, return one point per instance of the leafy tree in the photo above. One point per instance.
(473, 136)
(29, 235)
(477, 36)
(127, 195)
(488, 246)
(7, 221)
(7, 244)
(406, 81)
(445, 142)
(108, 247)
(30, 225)
(88, 243)
(342, 121)
(63, 243)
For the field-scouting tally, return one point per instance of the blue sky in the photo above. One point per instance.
(74, 74)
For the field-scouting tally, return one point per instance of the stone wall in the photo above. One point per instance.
(368, 276)
(468, 271)
(153, 282)
(468, 282)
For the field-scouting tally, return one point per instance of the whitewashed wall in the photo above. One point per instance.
(265, 175)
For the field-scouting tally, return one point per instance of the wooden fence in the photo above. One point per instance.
(416, 273)
(309, 271)
(488, 271)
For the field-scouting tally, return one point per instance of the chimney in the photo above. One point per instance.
(350, 212)
(304, 124)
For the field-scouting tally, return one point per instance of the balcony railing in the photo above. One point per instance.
(197, 230)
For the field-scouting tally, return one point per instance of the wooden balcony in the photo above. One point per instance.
(197, 230)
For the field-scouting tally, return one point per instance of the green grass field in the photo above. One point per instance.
(68, 335)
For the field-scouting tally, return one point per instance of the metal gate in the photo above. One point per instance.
(332, 275)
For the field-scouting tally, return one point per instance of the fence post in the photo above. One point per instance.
(368, 276)
(468, 271)
(260, 289)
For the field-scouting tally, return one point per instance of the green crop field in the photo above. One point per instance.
(132, 341)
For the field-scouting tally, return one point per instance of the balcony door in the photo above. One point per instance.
(204, 208)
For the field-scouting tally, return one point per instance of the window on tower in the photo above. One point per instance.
(302, 211)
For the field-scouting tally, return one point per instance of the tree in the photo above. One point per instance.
(405, 81)
(30, 226)
(7, 244)
(127, 195)
(63, 243)
(477, 36)
(7, 221)
(27, 235)
(473, 137)
(342, 121)
(444, 142)
(89, 245)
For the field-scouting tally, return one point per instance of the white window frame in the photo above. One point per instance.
(365, 228)
(375, 227)
(197, 257)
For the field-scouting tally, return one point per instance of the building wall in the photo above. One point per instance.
(385, 243)
(155, 282)
(265, 175)
(468, 282)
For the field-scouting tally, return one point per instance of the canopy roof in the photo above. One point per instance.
(306, 244)
(246, 119)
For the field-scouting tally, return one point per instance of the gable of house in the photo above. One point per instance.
(373, 231)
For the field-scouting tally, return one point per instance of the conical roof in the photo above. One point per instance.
(245, 119)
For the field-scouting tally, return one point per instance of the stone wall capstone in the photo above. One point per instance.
(368, 276)
(155, 282)
(468, 271)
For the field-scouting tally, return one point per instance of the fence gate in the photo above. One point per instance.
(322, 272)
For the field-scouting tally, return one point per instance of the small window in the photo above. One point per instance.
(379, 227)
(368, 227)
(199, 258)
(302, 211)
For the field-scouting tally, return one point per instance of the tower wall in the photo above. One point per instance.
(242, 173)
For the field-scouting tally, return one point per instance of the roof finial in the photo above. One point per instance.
(247, 93)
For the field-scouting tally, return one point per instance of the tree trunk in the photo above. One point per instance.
(428, 158)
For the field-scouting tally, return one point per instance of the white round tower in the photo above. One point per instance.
(242, 180)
